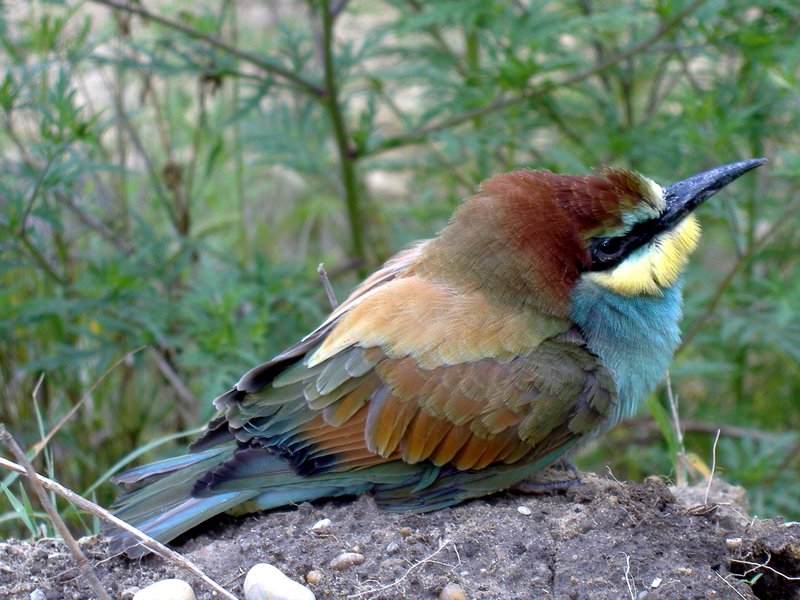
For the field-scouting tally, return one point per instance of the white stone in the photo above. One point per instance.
(265, 582)
(346, 560)
(166, 589)
(733, 543)
(452, 591)
(313, 577)
(524, 510)
(322, 526)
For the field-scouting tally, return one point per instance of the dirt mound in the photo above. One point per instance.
(599, 540)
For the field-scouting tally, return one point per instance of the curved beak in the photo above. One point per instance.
(680, 199)
(683, 197)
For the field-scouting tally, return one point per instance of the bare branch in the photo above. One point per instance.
(347, 153)
(152, 544)
(69, 541)
(326, 283)
(307, 86)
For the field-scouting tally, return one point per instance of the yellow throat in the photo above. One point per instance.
(655, 266)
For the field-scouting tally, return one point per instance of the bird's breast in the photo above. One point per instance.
(634, 336)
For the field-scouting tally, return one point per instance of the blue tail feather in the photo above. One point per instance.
(181, 518)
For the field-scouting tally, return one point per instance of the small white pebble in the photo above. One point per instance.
(322, 526)
(452, 591)
(313, 576)
(733, 543)
(265, 582)
(166, 589)
(38, 594)
(656, 582)
(524, 510)
(392, 547)
(346, 560)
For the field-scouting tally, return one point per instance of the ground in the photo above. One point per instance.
(598, 540)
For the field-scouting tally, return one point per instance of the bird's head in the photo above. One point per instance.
(658, 229)
(530, 235)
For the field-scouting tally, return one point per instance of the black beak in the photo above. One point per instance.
(683, 197)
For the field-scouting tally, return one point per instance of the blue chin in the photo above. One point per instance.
(635, 337)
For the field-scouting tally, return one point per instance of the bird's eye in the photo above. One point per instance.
(608, 246)
(607, 252)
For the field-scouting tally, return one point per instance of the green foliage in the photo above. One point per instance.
(172, 182)
(666, 428)
(22, 511)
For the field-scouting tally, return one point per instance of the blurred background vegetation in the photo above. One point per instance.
(172, 174)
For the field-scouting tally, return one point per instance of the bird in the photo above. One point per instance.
(542, 314)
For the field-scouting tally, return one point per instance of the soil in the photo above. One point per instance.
(600, 540)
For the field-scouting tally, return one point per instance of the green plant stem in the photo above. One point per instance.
(158, 188)
(337, 7)
(236, 131)
(420, 133)
(37, 257)
(43, 171)
(270, 67)
(347, 155)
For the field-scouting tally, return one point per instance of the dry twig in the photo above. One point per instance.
(728, 583)
(326, 283)
(713, 467)
(41, 444)
(442, 545)
(628, 580)
(150, 543)
(69, 541)
(765, 565)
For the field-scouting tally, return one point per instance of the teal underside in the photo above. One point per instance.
(634, 336)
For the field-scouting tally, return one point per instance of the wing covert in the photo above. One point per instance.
(410, 369)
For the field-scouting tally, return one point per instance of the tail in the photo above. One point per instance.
(183, 492)
(164, 507)
(180, 493)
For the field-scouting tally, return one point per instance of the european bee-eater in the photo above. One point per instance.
(541, 315)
